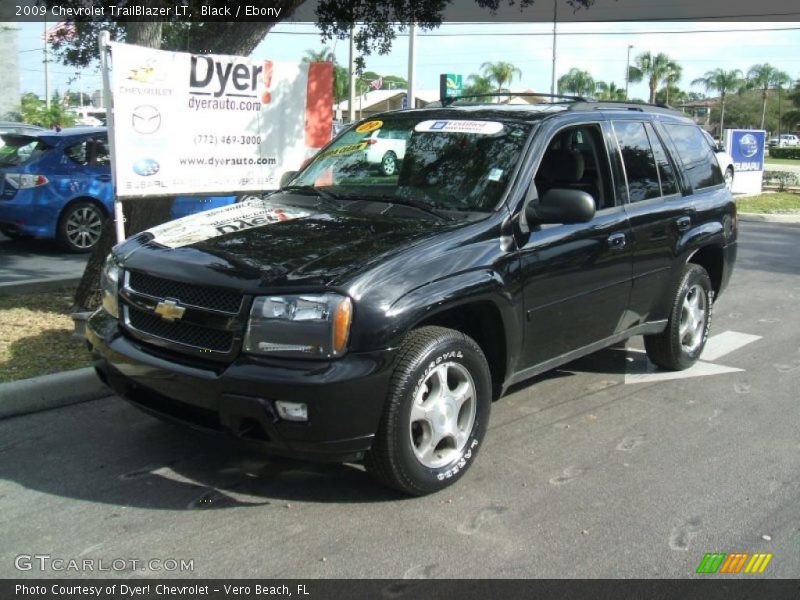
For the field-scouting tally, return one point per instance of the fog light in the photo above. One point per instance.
(292, 411)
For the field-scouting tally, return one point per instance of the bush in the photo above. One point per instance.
(780, 178)
(790, 152)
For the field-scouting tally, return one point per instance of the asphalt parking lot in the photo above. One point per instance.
(29, 260)
(604, 468)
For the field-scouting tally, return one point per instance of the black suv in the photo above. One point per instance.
(354, 315)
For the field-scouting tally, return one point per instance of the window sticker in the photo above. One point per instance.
(369, 126)
(347, 149)
(459, 126)
(495, 174)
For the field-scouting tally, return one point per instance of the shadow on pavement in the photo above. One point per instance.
(108, 452)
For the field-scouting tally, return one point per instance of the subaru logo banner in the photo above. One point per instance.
(205, 124)
(746, 147)
(747, 150)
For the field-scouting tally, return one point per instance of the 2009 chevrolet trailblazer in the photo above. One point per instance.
(355, 314)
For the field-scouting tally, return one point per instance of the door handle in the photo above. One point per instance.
(617, 241)
(683, 223)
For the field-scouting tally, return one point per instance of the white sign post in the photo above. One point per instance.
(746, 147)
(211, 124)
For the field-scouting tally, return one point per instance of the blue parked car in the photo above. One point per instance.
(58, 185)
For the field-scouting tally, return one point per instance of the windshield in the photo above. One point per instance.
(442, 163)
(17, 150)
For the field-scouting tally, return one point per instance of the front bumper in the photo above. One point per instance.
(345, 397)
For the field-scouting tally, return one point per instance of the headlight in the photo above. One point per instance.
(109, 284)
(313, 326)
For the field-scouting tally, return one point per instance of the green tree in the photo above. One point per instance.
(724, 82)
(609, 91)
(33, 110)
(766, 77)
(577, 82)
(792, 117)
(478, 85)
(655, 68)
(501, 73)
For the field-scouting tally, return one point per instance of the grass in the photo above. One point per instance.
(781, 161)
(779, 202)
(36, 336)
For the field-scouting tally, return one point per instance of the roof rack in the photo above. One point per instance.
(622, 105)
(449, 101)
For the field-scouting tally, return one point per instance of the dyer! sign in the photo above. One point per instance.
(189, 124)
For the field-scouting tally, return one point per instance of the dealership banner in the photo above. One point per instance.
(746, 147)
(203, 124)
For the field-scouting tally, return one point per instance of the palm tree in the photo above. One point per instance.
(671, 79)
(477, 85)
(656, 68)
(609, 91)
(500, 72)
(324, 55)
(764, 77)
(723, 82)
(577, 82)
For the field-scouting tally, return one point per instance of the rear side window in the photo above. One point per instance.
(18, 150)
(89, 152)
(669, 185)
(640, 164)
(696, 155)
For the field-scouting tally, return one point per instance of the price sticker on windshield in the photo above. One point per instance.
(369, 126)
(459, 126)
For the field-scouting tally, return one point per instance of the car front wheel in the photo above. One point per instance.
(80, 226)
(680, 345)
(436, 412)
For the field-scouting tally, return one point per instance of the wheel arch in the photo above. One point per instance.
(712, 259)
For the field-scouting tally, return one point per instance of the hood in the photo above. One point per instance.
(282, 241)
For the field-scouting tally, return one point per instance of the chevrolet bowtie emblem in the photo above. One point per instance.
(169, 310)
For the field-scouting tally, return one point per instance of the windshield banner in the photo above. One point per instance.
(188, 124)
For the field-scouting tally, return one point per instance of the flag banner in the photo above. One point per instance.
(187, 124)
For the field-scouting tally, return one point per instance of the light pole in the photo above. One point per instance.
(628, 70)
(553, 71)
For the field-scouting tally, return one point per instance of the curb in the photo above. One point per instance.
(30, 286)
(50, 391)
(769, 218)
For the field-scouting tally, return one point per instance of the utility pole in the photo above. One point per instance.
(412, 67)
(628, 70)
(46, 69)
(351, 103)
(553, 70)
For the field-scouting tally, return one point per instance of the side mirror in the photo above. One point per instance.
(562, 206)
(287, 177)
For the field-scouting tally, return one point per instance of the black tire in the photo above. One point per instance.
(389, 164)
(69, 234)
(393, 459)
(671, 349)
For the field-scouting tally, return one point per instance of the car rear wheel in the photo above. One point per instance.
(389, 164)
(680, 345)
(80, 226)
(729, 178)
(436, 412)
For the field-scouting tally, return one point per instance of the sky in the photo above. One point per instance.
(599, 48)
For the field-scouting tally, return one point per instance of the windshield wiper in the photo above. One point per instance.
(332, 198)
(404, 202)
